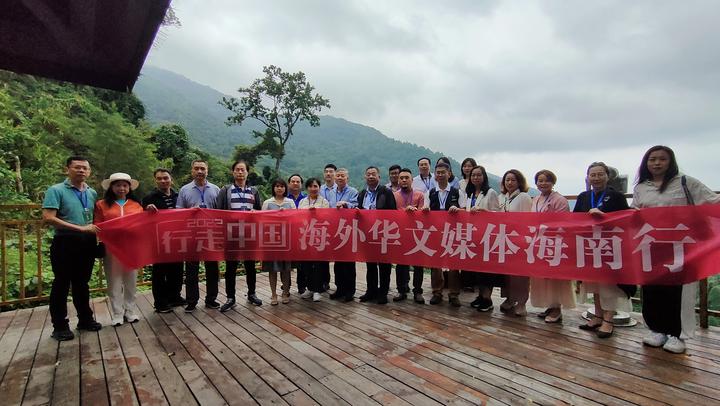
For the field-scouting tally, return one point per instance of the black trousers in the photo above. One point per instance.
(661, 308)
(231, 273)
(325, 272)
(345, 278)
(314, 273)
(166, 283)
(302, 278)
(378, 278)
(212, 276)
(402, 279)
(72, 257)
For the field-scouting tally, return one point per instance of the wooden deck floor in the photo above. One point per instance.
(331, 353)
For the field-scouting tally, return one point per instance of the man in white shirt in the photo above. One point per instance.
(424, 181)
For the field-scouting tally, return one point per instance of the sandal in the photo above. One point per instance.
(544, 313)
(589, 326)
(606, 334)
(553, 319)
(273, 300)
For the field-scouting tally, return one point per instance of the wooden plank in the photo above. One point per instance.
(203, 390)
(173, 386)
(13, 385)
(299, 398)
(275, 353)
(11, 338)
(66, 384)
(229, 333)
(251, 382)
(93, 383)
(225, 383)
(478, 366)
(147, 387)
(6, 318)
(395, 355)
(306, 321)
(40, 383)
(526, 347)
(370, 358)
(119, 384)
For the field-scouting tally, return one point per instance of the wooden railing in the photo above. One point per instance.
(30, 225)
(20, 224)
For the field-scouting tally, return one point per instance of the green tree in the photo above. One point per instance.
(172, 147)
(279, 101)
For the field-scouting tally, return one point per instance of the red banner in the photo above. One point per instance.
(670, 245)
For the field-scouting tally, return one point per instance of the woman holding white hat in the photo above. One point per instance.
(119, 201)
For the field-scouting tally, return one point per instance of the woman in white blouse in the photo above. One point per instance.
(313, 268)
(514, 198)
(669, 311)
(477, 196)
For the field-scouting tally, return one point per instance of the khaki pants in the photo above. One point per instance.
(437, 282)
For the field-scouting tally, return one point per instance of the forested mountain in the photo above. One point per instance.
(169, 97)
(42, 122)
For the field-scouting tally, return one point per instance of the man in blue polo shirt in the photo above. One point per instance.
(68, 207)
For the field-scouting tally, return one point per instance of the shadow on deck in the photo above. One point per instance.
(333, 353)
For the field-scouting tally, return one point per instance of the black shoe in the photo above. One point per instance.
(63, 334)
(366, 298)
(91, 325)
(382, 299)
(163, 309)
(477, 302)
(400, 297)
(254, 300)
(336, 295)
(190, 307)
(213, 304)
(436, 299)
(418, 298)
(486, 305)
(229, 304)
(348, 298)
(454, 301)
(178, 301)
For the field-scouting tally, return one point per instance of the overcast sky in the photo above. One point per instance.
(527, 85)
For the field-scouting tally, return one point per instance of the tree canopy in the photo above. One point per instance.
(279, 101)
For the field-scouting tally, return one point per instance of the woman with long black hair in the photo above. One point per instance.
(669, 311)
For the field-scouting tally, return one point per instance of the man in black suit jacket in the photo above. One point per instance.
(376, 197)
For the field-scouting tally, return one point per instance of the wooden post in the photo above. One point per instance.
(703, 303)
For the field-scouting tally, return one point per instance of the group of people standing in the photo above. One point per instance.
(72, 208)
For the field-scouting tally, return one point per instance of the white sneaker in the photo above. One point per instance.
(316, 297)
(131, 317)
(307, 294)
(654, 339)
(117, 321)
(674, 345)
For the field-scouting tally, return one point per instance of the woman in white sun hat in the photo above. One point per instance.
(119, 201)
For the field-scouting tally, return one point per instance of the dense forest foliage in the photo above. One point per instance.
(42, 122)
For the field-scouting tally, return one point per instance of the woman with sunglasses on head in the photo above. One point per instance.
(669, 311)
